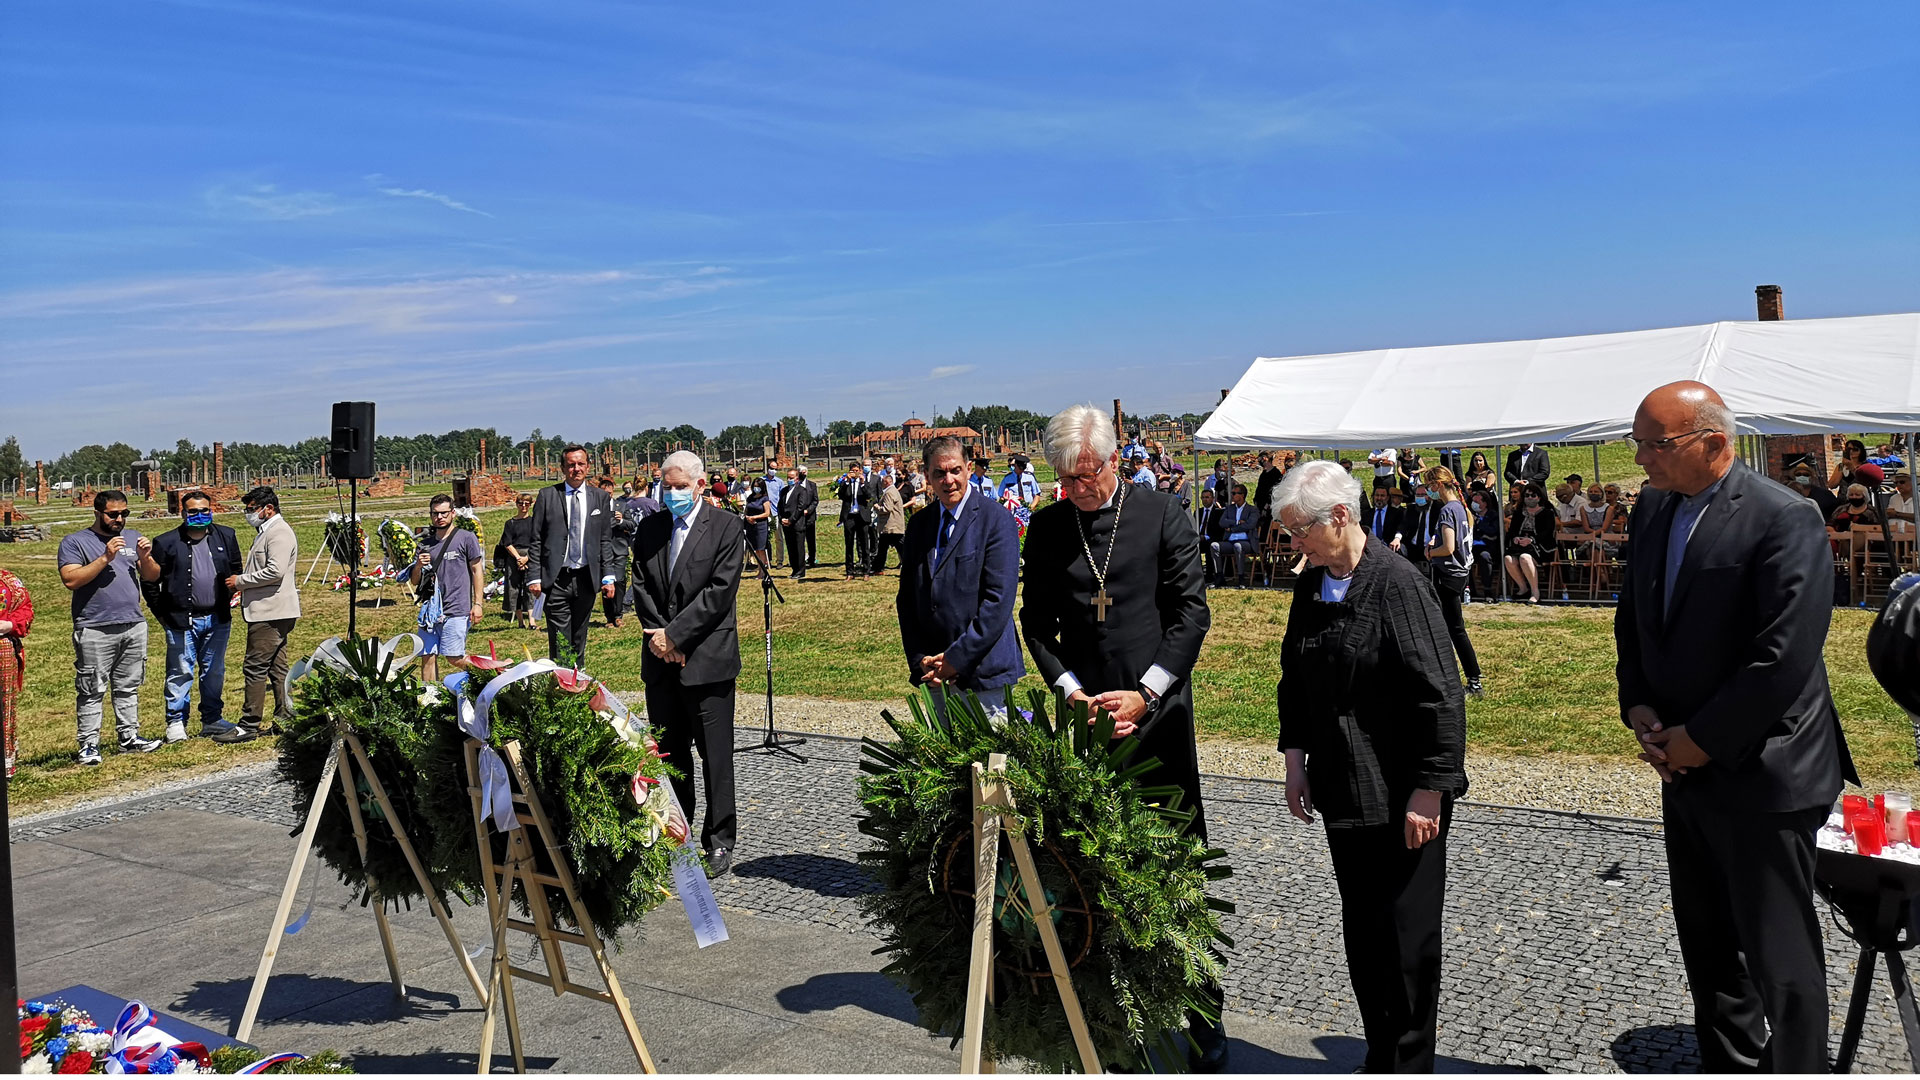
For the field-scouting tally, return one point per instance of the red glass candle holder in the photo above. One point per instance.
(1870, 835)
(1852, 809)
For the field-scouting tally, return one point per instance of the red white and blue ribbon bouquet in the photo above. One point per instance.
(56, 1037)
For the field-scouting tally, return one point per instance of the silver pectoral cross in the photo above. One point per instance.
(1101, 602)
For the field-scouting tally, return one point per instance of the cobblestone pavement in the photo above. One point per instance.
(1560, 952)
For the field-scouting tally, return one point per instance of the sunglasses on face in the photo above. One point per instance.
(114, 513)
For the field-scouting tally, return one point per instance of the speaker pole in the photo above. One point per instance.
(353, 569)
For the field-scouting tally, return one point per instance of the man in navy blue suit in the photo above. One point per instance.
(959, 580)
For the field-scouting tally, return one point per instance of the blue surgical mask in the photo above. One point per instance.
(200, 520)
(1419, 500)
(679, 502)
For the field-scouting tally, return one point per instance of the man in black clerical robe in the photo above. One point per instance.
(1122, 628)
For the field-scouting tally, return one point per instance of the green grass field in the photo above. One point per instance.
(1549, 671)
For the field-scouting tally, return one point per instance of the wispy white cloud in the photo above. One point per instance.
(268, 201)
(382, 186)
(948, 371)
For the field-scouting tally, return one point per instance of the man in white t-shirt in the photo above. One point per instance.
(1900, 508)
(1384, 462)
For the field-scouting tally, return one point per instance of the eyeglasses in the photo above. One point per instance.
(1299, 532)
(1081, 480)
(114, 513)
(1660, 446)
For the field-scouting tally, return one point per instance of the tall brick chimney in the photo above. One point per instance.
(483, 455)
(1119, 419)
(1768, 297)
(40, 482)
(219, 463)
(1224, 393)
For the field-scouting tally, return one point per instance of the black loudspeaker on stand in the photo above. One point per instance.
(771, 741)
(350, 458)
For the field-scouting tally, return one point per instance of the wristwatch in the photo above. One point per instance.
(1152, 699)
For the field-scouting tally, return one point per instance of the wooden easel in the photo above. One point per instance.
(990, 790)
(339, 764)
(522, 866)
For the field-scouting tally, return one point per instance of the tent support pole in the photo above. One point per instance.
(1596, 463)
(1500, 519)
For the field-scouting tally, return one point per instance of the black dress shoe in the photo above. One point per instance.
(1208, 1051)
(719, 861)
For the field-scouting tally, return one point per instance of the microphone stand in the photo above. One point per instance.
(771, 742)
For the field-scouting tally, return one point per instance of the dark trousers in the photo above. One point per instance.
(515, 600)
(1451, 589)
(859, 538)
(698, 718)
(1390, 910)
(266, 668)
(886, 540)
(615, 606)
(808, 538)
(1743, 905)
(569, 606)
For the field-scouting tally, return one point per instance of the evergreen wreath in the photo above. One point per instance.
(1126, 880)
(408, 731)
(583, 760)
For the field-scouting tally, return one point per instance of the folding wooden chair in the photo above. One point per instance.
(1611, 565)
(1566, 561)
(1874, 569)
(1841, 542)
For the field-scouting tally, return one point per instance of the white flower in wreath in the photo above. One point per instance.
(95, 1042)
(658, 804)
(38, 1063)
(431, 696)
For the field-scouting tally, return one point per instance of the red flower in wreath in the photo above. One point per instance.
(32, 1024)
(76, 1061)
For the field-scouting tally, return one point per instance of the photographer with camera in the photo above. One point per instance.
(446, 576)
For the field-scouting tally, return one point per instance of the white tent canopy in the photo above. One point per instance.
(1805, 376)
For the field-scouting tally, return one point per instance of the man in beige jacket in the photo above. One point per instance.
(270, 604)
(892, 523)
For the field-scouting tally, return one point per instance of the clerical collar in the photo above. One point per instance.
(1111, 499)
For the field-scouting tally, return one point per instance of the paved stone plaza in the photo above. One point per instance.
(1560, 952)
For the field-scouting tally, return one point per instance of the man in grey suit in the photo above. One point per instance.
(573, 555)
(1720, 630)
(687, 572)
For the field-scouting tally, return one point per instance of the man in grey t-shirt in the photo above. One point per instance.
(452, 555)
(99, 565)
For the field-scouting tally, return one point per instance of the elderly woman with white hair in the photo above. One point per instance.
(1373, 726)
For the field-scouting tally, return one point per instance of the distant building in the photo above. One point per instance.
(912, 432)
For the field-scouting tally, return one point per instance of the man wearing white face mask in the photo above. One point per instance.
(686, 565)
(270, 603)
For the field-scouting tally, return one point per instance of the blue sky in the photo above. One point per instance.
(218, 217)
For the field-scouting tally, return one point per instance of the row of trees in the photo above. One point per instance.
(464, 443)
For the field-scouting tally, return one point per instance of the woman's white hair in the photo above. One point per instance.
(1075, 432)
(1315, 488)
(687, 462)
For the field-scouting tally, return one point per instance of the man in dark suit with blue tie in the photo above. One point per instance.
(1721, 631)
(959, 580)
(686, 565)
(573, 555)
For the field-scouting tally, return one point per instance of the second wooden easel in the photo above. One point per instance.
(990, 791)
(523, 865)
(346, 759)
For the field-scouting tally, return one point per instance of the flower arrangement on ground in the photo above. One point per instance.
(465, 518)
(344, 538)
(397, 543)
(1127, 883)
(56, 1038)
(409, 733)
(602, 780)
